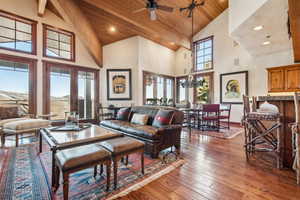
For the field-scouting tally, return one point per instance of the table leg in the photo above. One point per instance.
(40, 142)
(53, 168)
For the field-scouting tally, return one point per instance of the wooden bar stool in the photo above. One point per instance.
(258, 137)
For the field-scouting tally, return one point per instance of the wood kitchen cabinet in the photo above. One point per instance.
(284, 79)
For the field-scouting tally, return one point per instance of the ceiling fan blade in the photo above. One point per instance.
(139, 10)
(165, 8)
(153, 15)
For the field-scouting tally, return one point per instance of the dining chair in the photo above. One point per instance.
(296, 137)
(210, 117)
(225, 114)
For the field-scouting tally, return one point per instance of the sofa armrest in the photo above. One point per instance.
(170, 127)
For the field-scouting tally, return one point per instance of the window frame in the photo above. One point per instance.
(211, 83)
(60, 31)
(177, 88)
(32, 93)
(24, 20)
(74, 69)
(195, 43)
(165, 77)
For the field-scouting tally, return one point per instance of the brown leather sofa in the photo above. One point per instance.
(156, 139)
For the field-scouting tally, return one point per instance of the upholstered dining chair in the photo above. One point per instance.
(210, 117)
(225, 114)
(296, 137)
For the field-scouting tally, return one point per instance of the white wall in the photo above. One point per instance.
(224, 54)
(28, 9)
(139, 54)
(240, 10)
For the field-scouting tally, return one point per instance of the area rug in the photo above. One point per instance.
(223, 133)
(28, 176)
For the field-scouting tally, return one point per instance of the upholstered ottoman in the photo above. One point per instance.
(26, 125)
(121, 147)
(78, 158)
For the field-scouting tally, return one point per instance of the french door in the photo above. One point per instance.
(70, 88)
(18, 83)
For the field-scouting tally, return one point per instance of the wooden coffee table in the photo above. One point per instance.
(58, 140)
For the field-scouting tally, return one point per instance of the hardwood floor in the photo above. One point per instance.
(217, 169)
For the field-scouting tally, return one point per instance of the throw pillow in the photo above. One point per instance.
(139, 119)
(123, 114)
(163, 117)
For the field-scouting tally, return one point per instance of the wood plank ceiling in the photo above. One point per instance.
(172, 30)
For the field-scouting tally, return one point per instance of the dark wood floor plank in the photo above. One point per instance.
(217, 169)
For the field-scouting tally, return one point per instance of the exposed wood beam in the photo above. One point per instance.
(41, 7)
(165, 33)
(72, 14)
(294, 15)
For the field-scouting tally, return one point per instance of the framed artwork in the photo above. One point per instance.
(119, 84)
(233, 86)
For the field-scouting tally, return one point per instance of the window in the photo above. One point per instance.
(60, 90)
(203, 54)
(86, 94)
(18, 83)
(182, 93)
(70, 89)
(158, 89)
(204, 94)
(17, 33)
(59, 44)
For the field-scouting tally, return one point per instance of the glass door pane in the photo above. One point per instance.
(160, 87)
(169, 89)
(14, 85)
(60, 89)
(86, 95)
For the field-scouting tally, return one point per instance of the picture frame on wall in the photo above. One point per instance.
(119, 84)
(233, 86)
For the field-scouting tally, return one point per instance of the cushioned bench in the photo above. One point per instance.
(121, 147)
(20, 126)
(75, 159)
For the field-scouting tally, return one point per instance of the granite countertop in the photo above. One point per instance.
(275, 98)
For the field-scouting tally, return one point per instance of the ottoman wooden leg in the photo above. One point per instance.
(66, 186)
(108, 170)
(115, 173)
(142, 162)
(17, 140)
(95, 171)
(2, 139)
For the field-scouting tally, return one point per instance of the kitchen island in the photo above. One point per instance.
(287, 111)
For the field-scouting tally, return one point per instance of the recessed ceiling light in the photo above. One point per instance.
(266, 43)
(172, 43)
(258, 28)
(112, 29)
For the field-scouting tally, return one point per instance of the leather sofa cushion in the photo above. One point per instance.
(122, 144)
(78, 156)
(145, 131)
(140, 119)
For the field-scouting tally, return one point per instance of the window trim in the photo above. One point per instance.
(25, 20)
(177, 88)
(155, 85)
(211, 83)
(47, 65)
(58, 30)
(195, 53)
(32, 93)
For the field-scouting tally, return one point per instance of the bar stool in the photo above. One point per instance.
(258, 137)
(296, 137)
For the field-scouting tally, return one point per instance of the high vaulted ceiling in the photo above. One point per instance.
(172, 30)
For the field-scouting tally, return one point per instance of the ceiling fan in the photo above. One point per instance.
(192, 6)
(152, 6)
